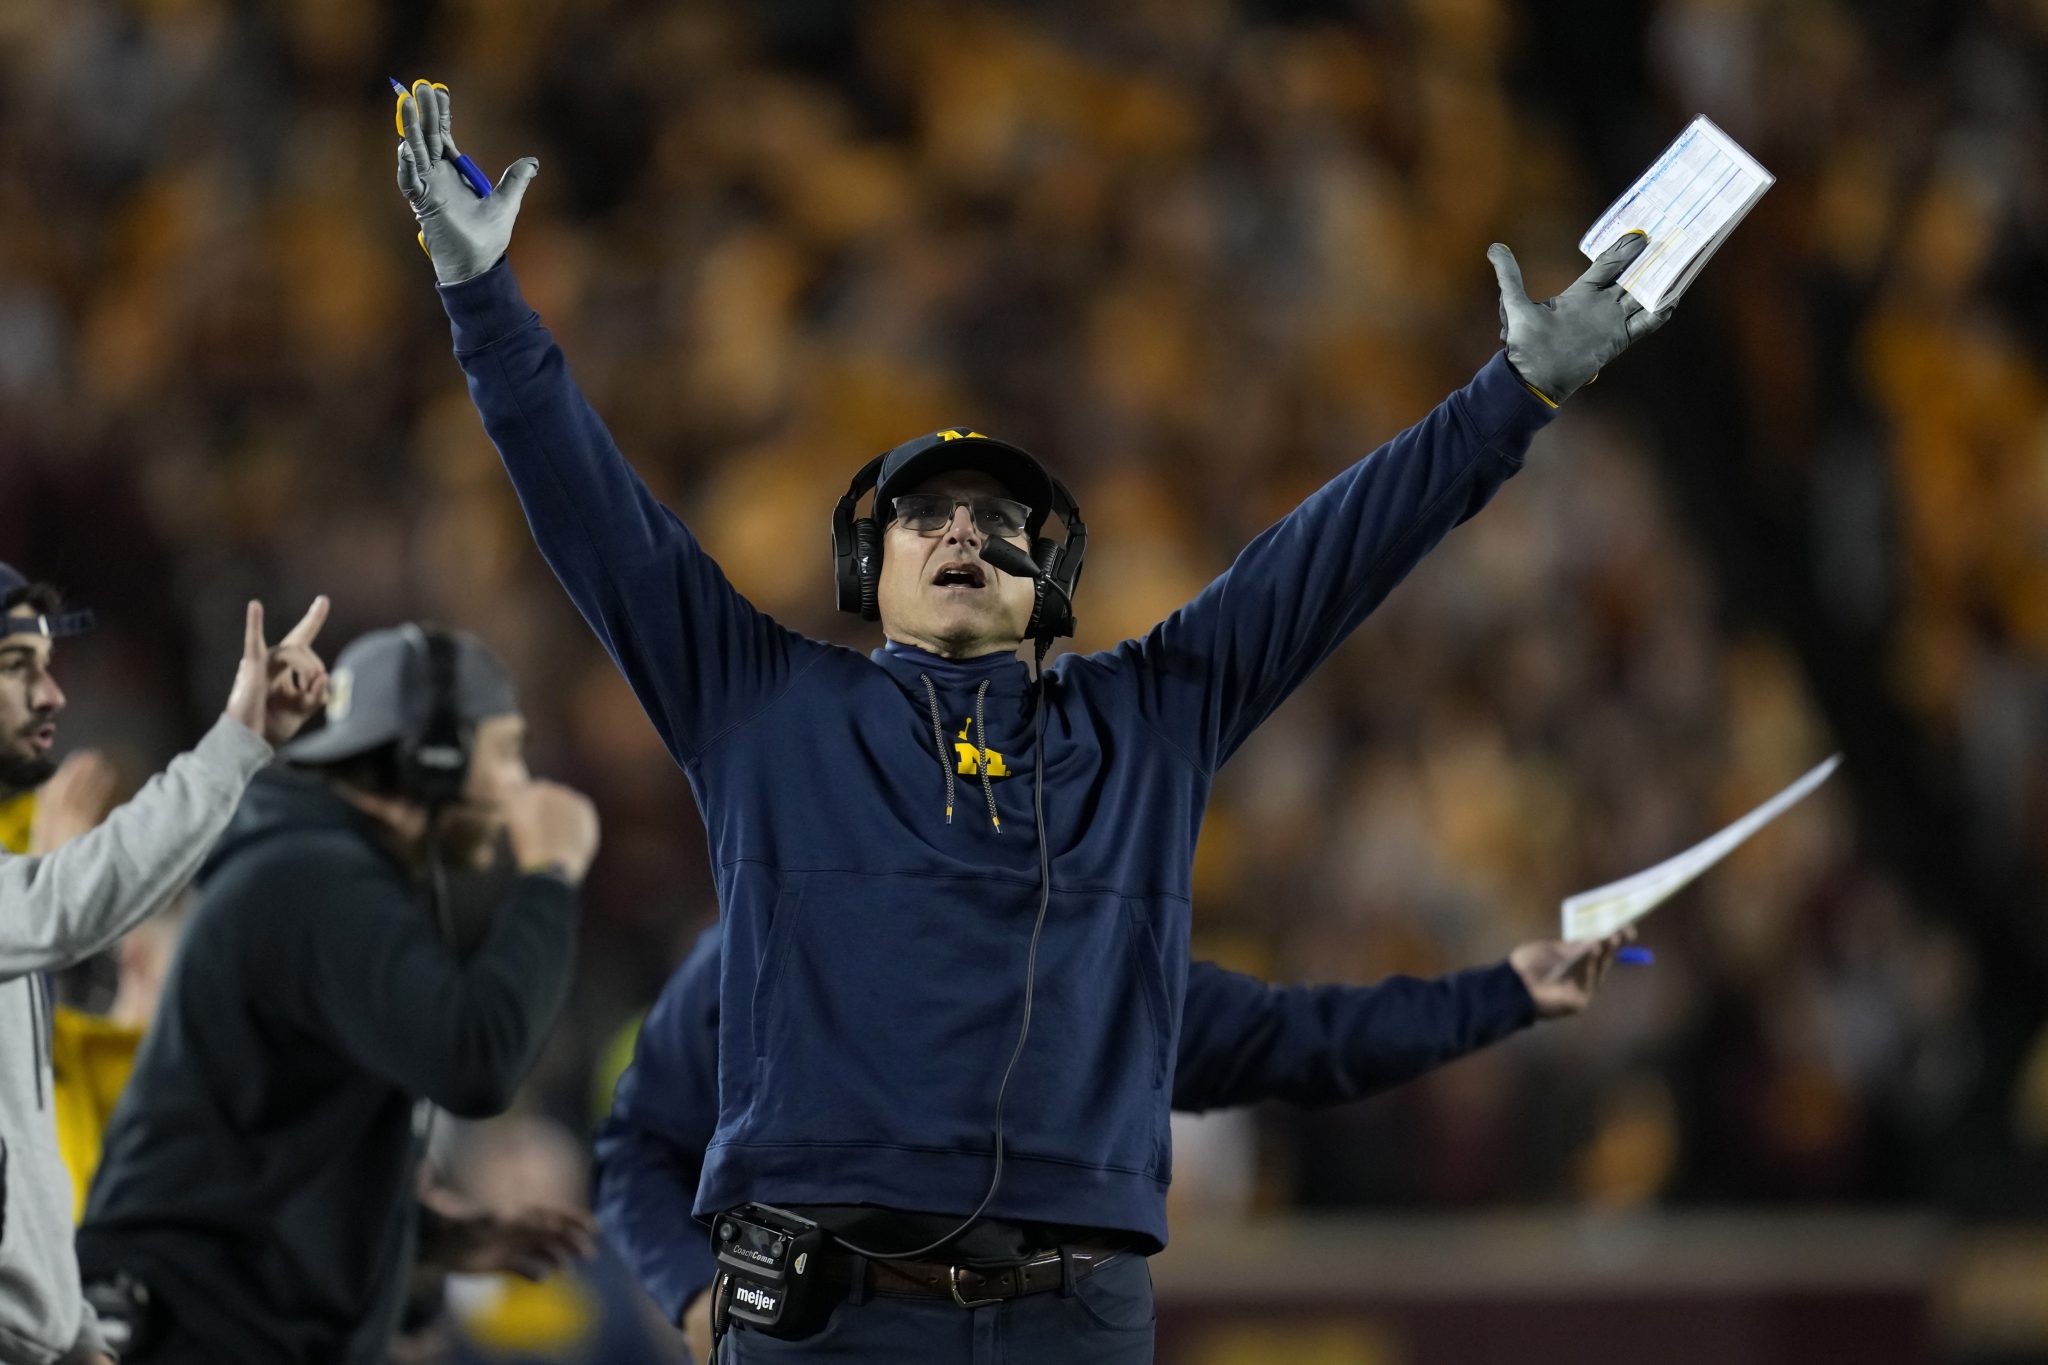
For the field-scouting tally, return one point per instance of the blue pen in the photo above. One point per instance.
(1638, 957)
(470, 173)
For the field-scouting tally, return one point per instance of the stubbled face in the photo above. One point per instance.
(497, 768)
(30, 702)
(934, 591)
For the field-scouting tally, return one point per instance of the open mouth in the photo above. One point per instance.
(43, 736)
(961, 573)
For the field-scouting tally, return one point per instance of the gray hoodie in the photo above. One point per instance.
(54, 911)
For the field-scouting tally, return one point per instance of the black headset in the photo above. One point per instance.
(433, 762)
(857, 558)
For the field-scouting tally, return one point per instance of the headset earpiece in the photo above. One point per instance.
(856, 559)
(1062, 562)
(867, 549)
(433, 764)
(1048, 618)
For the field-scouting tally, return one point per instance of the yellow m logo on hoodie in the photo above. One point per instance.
(969, 755)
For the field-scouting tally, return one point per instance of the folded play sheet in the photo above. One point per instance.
(1597, 913)
(1689, 200)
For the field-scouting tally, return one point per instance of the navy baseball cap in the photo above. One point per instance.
(379, 690)
(64, 623)
(938, 452)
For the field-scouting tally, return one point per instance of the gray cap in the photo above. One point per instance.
(380, 690)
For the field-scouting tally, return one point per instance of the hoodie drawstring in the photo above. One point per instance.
(981, 747)
(939, 738)
(36, 1006)
(981, 755)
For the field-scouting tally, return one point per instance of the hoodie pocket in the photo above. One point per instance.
(38, 1265)
(886, 1011)
(788, 901)
(1145, 965)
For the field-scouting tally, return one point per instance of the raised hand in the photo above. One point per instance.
(298, 676)
(1561, 977)
(277, 690)
(465, 233)
(76, 798)
(1558, 345)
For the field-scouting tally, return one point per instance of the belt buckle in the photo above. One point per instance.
(953, 1283)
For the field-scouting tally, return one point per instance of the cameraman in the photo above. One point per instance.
(256, 1200)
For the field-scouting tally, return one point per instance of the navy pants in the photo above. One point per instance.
(1099, 1319)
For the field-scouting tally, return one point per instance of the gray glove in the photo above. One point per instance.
(463, 232)
(1559, 345)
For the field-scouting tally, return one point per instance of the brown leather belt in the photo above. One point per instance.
(972, 1286)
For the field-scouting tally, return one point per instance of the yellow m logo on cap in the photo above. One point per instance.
(341, 692)
(951, 435)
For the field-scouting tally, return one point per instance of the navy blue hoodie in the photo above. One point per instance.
(872, 982)
(1241, 1041)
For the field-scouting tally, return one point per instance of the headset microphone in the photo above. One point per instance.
(1017, 564)
(1011, 560)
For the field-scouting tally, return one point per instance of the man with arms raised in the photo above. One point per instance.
(955, 895)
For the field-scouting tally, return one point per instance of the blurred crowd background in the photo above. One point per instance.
(1198, 255)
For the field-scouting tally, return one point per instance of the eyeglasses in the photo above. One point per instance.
(992, 516)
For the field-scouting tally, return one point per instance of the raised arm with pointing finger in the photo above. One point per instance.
(64, 906)
(60, 907)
